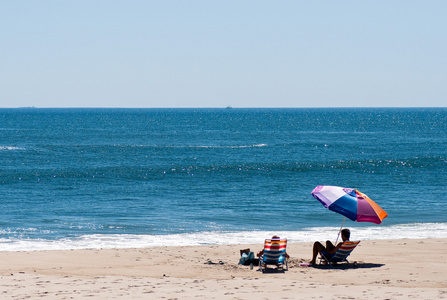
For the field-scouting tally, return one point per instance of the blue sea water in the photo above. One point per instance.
(91, 178)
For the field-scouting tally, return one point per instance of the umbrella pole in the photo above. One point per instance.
(341, 227)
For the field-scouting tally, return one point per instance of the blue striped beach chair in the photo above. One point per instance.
(274, 254)
(341, 255)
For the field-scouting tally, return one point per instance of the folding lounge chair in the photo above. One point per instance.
(341, 254)
(274, 254)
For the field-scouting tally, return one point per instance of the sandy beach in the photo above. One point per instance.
(385, 269)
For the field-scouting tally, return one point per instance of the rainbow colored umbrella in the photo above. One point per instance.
(350, 203)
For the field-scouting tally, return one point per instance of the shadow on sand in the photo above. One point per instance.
(272, 270)
(356, 265)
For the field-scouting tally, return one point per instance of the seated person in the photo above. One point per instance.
(330, 249)
(275, 237)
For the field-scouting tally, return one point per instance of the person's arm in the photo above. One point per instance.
(333, 250)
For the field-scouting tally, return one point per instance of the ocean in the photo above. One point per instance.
(118, 178)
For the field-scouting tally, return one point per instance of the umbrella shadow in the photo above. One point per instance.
(355, 265)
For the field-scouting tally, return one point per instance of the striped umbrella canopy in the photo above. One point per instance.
(350, 203)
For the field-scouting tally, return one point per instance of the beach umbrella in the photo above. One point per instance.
(350, 203)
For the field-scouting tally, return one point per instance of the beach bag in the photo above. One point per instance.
(247, 258)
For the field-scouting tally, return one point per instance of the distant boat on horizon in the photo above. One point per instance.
(229, 107)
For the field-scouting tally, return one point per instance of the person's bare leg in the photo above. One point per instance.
(329, 246)
(316, 249)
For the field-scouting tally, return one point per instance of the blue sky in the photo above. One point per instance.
(220, 53)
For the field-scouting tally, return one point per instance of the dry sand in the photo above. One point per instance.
(386, 269)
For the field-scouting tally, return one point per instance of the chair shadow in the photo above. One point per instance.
(272, 270)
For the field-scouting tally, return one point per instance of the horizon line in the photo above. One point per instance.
(217, 107)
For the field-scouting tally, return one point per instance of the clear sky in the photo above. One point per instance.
(188, 53)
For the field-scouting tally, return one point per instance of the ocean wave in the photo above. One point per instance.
(109, 241)
(10, 148)
(260, 145)
(208, 146)
(229, 168)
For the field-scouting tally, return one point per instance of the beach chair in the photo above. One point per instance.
(341, 254)
(274, 254)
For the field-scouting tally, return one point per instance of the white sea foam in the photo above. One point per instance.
(229, 146)
(11, 148)
(97, 241)
(206, 146)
